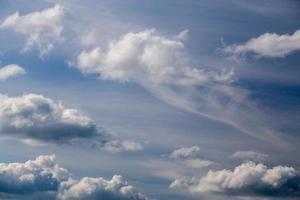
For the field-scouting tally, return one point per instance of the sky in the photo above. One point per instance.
(149, 100)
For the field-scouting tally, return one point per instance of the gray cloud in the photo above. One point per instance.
(247, 179)
(37, 117)
(267, 45)
(43, 175)
(249, 155)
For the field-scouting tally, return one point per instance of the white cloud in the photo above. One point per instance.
(45, 175)
(162, 66)
(185, 152)
(98, 188)
(146, 57)
(42, 29)
(10, 71)
(116, 146)
(267, 45)
(246, 179)
(250, 155)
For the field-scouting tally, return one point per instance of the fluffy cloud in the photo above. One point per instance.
(246, 179)
(37, 117)
(9, 71)
(249, 155)
(41, 29)
(44, 175)
(267, 45)
(116, 146)
(41, 174)
(98, 188)
(146, 57)
(185, 152)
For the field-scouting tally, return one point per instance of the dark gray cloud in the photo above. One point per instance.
(37, 117)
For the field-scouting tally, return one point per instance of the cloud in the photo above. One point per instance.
(37, 117)
(247, 179)
(10, 71)
(250, 155)
(116, 146)
(98, 188)
(42, 29)
(163, 67)
(185, 152)
(44, 175)
(267, 45)
(41, 174)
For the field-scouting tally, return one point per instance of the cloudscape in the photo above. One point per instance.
(149, 100)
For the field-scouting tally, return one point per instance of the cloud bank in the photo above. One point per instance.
(44, 175)
(10, 71)
(267, 45)
(247, 179)
(41, 28)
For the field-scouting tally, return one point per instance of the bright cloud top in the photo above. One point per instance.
(267, 45)
(41, 29)
(145, 57)
(44, 175)
(116, 146)
(185, 152)
(10, 71)
(246, 179)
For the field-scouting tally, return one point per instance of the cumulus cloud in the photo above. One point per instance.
(42, 29)
(249, 155)
(37, 117)
(99, 188)
(116, 146)
(162, 66)
(44, 175)
(10, 71)
(268, 45)
(41, 174)
(246, 179)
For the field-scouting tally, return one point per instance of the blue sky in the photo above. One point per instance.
(167, 94)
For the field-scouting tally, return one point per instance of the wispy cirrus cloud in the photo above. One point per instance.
(10, 71)
(267, 45)
(162, 66)
(42, 29)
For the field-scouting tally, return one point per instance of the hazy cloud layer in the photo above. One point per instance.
(10, 71)
(249, 155)
(44, 175)
(247, 179)
(42, 29)
(267, 45)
